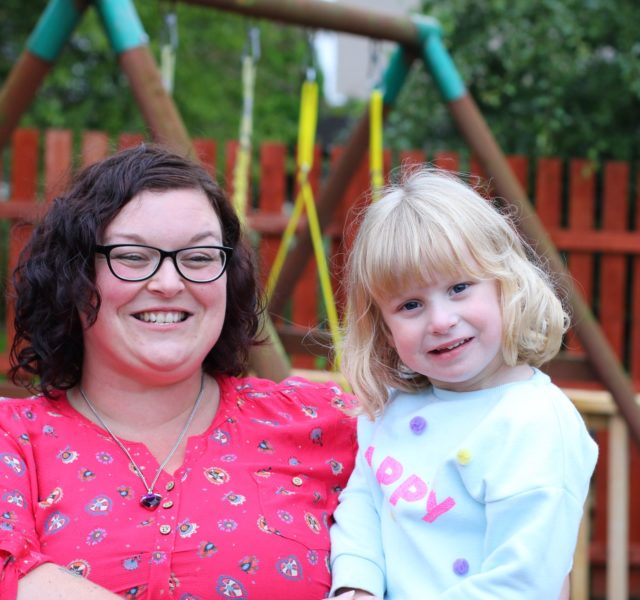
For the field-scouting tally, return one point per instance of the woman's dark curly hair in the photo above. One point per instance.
(54, 281)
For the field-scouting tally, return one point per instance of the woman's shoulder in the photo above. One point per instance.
(304, 395)
(290, 387)
(27, 404)
(31, 412)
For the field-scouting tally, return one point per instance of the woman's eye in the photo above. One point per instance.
(129, 257)
(199, 258)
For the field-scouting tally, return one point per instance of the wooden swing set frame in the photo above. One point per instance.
(418, 38)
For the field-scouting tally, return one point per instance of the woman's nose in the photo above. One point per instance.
(166, 279)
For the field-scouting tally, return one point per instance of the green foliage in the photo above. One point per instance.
(551, 77)
(87, 90)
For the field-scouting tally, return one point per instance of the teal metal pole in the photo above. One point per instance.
(122, 24)
(53, 30)
(438, 60)
(395, 75)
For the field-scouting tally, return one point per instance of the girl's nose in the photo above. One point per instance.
(441, 318)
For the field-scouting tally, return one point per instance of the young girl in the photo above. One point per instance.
(472, 467)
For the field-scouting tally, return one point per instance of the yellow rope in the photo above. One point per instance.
(375, 143)
(243, 156)
(304, 200)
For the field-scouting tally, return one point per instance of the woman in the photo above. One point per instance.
(144, 467)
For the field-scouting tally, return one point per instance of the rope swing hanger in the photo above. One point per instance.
(250, 56)
(168, 45)
(305, 201)
(376, 152)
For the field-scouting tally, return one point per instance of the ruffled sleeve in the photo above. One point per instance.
(19, 544)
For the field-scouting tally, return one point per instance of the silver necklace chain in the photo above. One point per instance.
(151, 499)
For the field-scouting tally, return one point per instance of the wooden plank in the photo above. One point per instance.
(548, 194)
(634, 354)
(206, 152)
(604, 242)
(271, 198)
(24, 183)
(94, 147)
(613, 276)
(613, 293)
(580, 572)
(618, 511)
(581, 212)
(22, 211)
(612, 298)
(410, 159)
(520, 166)
(129, 140)
(24, 164)
(449, 161)
(230, 154)
(57, 161)
(634, 368)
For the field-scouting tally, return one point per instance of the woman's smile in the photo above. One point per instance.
(165, 325)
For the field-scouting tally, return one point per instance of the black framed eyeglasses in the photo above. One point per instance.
(137, 262)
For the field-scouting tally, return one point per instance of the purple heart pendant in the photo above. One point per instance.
(151, 501)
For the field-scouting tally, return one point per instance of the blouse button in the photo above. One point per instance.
(170, 486)
(165, 529)
(297, 481)
(167, 504)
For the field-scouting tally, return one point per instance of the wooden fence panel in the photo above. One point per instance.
(581, 218)
(94, 147)
(128, 140)
(24, 187)
(602, 248)
(411, 158)
(271, 199)
(57, 161)
(206, 153)
(613, 272)
(450, 161)
(634, 354)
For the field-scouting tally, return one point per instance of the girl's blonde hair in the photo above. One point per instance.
(424, 228)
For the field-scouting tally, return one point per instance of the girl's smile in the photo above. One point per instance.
(450, 331)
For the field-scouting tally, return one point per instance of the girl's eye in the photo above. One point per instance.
(458, 288)
(411, 305)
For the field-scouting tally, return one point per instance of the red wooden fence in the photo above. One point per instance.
(592, 212)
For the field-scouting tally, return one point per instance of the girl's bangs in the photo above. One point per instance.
(413, 258)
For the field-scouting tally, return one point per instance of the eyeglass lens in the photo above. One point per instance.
(200, 263)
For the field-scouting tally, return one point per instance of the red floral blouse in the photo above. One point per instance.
(246, 516)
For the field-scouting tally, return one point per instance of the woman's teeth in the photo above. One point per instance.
(161, 317)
